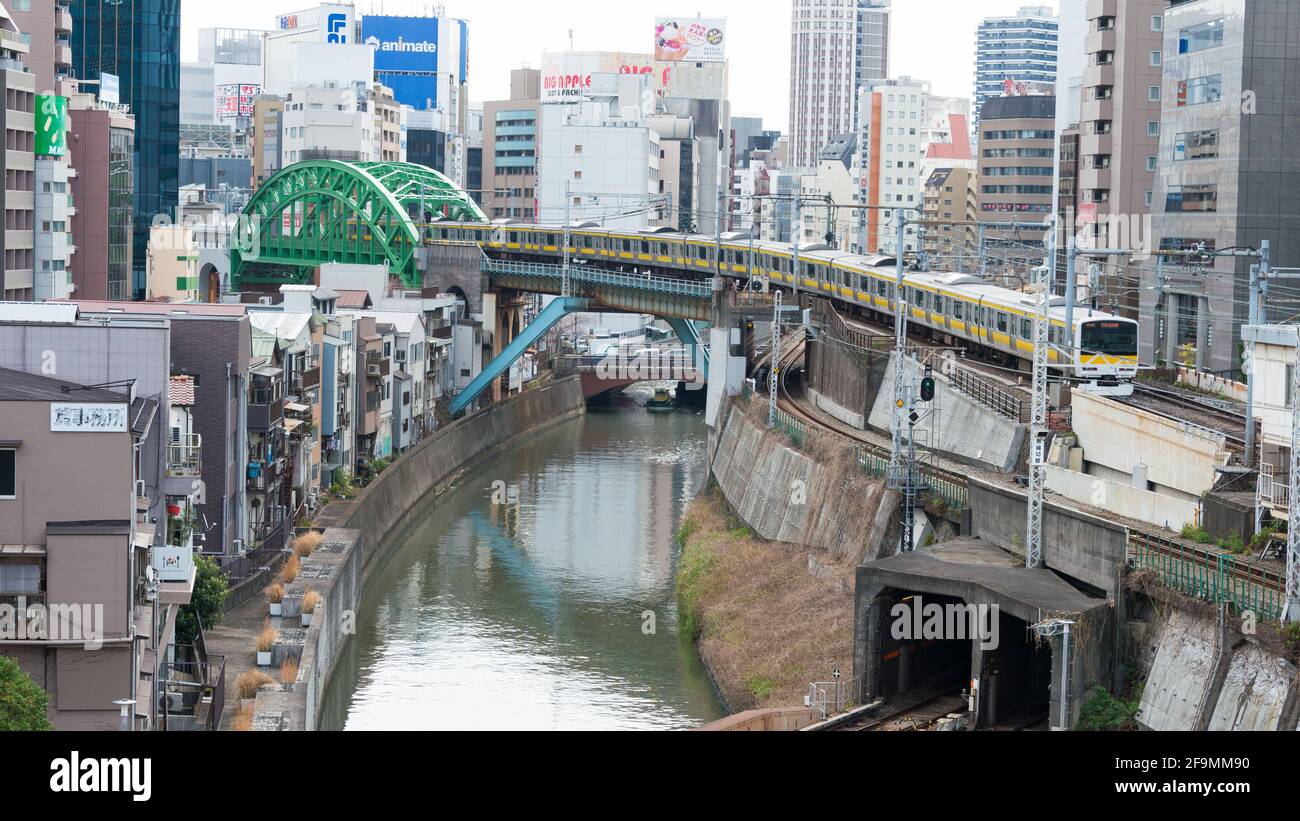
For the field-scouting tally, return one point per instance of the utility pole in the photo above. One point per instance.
(797, 238)
(565, 284)
(1038, 420)
(1292, 610)
(775, 361)
(1258, 290)
(1071, 254)
(902, 467)
(722, 200)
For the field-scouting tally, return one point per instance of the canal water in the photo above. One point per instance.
(553, 610)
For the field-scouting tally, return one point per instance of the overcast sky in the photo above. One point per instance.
(932, 39)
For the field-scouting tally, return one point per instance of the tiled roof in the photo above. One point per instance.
(182, 390)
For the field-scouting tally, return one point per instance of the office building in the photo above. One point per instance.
(1225, 177)
(1017, 144)
(138, 41)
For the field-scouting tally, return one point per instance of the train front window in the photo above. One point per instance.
(1119, 338)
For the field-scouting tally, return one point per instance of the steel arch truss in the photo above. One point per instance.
(322, 211)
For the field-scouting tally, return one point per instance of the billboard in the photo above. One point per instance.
(690, 39)
(567, 77)
(407, 54)
(110, 88)
(402, 43)
(51, 125)
(236, 100)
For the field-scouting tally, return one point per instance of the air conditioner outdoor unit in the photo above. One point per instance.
(139, 488)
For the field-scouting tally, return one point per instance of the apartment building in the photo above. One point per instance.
(950, 196)
(836, 48)
(18, 161)
(81, 499)
(1013, 50)
(1118, 133)
(212, 345)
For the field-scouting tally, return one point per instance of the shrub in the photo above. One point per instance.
(266, 638)
(243, 719)
(310, 601)
(249, 682)
(1233, 544)
(1194, 533)
(307, 543)
(1102, 711)
(24, 704)
(275, 593)
(289, 671)
(290, 570)
(211, 589)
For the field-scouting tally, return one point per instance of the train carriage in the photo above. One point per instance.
(951, 305)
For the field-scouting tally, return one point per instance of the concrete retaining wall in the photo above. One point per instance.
(1177, 456)
(340, 568)
(1144, 505)
(968, 431)
(1078, 544)
(1209, 677)
(786, 495)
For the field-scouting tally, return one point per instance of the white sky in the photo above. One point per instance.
(932, 39)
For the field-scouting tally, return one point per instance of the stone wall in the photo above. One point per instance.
(814, 496)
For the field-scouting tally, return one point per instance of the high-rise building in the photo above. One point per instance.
(1225, 177)
(511, 130)
(1017, 148)
(48, 26)
(103, 149)
(901, 119)
(139, 42)
(836, 47)
(1117, 143)
(18, 162)
(1016, 49)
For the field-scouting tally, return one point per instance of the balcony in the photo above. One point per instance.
(264, 412)
(264, 476)
(305, 381)
(185, 456)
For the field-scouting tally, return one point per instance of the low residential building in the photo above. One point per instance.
(1272, 355)
(125, 359)
(291, 341)
(950, 197)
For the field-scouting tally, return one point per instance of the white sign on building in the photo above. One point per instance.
(67, 417)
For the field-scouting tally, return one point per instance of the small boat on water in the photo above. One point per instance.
(662, 402)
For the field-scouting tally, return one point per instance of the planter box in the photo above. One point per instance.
(264, 658)
(306, 619)
(277, 608)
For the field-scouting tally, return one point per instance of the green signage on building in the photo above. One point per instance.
(51, 125)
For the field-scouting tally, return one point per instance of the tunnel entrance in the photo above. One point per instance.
(1015, 678)
(919, 657)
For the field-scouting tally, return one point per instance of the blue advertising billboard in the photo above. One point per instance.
(406, 56)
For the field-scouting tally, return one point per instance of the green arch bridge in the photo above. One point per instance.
(322, 211)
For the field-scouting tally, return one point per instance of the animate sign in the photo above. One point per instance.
(66, 417)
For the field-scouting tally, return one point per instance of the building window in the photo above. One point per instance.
(1151, 163)
(1203, 198)
(1157, 23)
(1155, 58)
(8, 473)
(1153, 128)
(1150, 198)
(1200, 91)
(1200, 37)
(1153, 94)
(1196, 145)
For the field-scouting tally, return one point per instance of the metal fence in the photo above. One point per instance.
(583, 274)
(830, 698)
(1205, 574)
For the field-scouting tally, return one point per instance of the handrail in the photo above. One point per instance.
(583, 274)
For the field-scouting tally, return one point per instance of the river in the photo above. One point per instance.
(554, 610)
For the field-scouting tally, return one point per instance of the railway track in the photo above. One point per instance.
(787, 402)
(910, 716)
